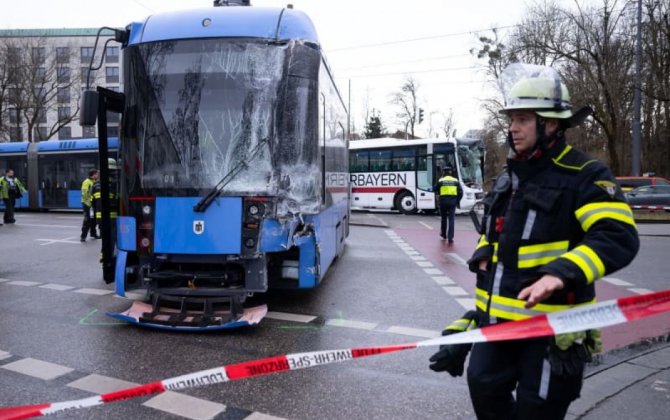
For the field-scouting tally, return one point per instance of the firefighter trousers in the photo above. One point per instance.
(498, 369)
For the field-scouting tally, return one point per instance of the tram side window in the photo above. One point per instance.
(403, 160)
(380, 160)
(358, 161)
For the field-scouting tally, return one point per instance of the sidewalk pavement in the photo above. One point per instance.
(628, 383)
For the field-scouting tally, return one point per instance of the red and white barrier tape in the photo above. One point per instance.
(581, 318)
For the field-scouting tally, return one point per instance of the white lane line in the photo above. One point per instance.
(53, 286)
(97, 292)
(99, 384)
(616, 282)
(185, 406)
(455, 291)
(639, 290)
(351, 324)
(260, 416)
(4, 280)
(24, 283)
(468, 304)
(414, 332)
(427, 225)
(456, 257)
(443, 280)
(417, 257)
(37, 368)
(433, 271)
(284, 316)
(68, 240)
(4, 355)
(49, 226)
(424, 263)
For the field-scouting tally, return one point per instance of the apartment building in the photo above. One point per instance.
(63, 57)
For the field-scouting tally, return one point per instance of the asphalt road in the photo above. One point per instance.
(396, 283)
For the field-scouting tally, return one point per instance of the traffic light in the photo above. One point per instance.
(420, 115)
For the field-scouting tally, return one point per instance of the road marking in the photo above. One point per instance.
(415, 332)
(4, 280)
(456, 257)
(427, 225)
(53, 286)
(4, 355)
(639, 290)
(443, 280)
(616, 282)
(360, 325)
(185, 406)
(417, 257)
(98, 384)
(284, 316)
(260, 416)
(455, 291)
(37, 368)
(433, 271)
(68, 240)
(97, 292)
(50, 226)
(424, 263)
(24, 283)
(467, 303)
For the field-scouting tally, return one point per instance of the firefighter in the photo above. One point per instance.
(113, 200)
(450, 192)
(555, 222)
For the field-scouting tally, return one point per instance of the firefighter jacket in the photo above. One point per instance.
(449, 190)
(562, 214)
(113, 200)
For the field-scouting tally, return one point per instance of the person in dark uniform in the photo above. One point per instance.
(450, 192)
(555, 222)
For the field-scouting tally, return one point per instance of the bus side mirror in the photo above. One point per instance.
(88, 108)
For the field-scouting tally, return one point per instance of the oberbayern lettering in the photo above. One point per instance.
(378, 180)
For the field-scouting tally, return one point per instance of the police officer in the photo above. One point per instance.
(450, 193)
(10, 189)
(555, 223)
(113, 200)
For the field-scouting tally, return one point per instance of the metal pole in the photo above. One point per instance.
(637, 98)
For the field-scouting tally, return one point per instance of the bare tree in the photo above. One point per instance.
(406, 101)
(33, 78)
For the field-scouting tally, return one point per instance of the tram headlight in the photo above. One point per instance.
(145, 242)
(250, 243)
(256, 210)
(146, 210)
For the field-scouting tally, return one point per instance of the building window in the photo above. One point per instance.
(40, 74)
(112, 55)
(40, 133)
(63, 74)
(62, 55)
(84, 73)
(13, 115)
(63, 95)
(64, 113)
(113, 131)
(112, 74)
(41, 115)
(86, 54)
(15, 134)
(40, 93)
(39, 55)
(64, 133)
(89, 132)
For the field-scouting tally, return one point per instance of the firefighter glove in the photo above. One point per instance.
(451, 357)
(569, 352)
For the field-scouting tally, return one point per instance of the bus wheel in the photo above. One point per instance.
(406, 203)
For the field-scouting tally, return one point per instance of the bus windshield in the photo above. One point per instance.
(469, 156)
(196, 108)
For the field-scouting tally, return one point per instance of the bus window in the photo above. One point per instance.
(403, 160)
(359, 161)
(380, 160)
(424, 174)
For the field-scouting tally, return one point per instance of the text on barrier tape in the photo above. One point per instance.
(599, 315)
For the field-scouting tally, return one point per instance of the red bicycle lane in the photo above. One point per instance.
(451, 260)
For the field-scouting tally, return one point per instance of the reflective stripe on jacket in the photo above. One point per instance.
(448, 186)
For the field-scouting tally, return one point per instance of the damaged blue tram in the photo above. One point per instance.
(233, 163)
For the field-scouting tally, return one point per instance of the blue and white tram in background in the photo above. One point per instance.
(52, 170)
(233, 151)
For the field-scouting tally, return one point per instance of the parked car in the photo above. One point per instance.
(628, 183)
(649, 195)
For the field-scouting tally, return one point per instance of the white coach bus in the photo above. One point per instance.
(388, 173)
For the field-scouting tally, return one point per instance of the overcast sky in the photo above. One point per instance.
(370, 44)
